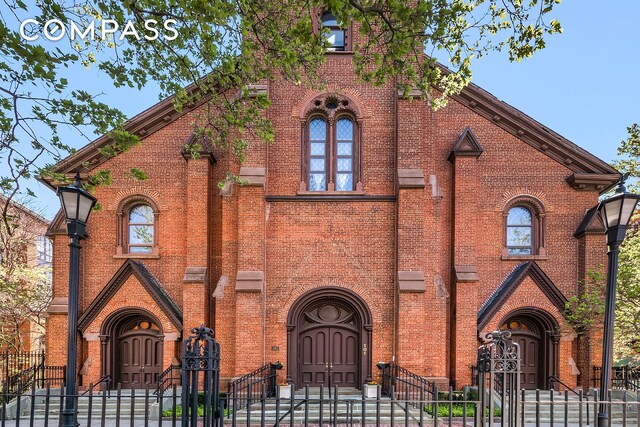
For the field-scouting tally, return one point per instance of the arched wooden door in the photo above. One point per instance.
(329, 356)
(537, 349)
(138, 354)
(329, 337)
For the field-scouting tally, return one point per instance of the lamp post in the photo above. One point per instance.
(77, 204)
(615, 213)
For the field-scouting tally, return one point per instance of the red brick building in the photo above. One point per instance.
(374, 229)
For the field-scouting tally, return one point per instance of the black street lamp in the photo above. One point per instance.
(615, 213)
(77, 204)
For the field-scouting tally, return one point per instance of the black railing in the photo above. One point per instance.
(36, 376)
(169, 377)
(255, 384)
(474, 376)
(12, 363)
(139, 407)
(102, 384)
(622, 377)
(402, 384)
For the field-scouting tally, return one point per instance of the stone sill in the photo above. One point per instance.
(524, 257)
(330, 193)
(136, 256)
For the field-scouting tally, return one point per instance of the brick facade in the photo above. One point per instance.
(423, 248)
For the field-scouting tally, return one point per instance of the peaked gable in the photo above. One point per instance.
(589, 172)
(467, 145)
(510, 284)
(590, 223)
(147, 280)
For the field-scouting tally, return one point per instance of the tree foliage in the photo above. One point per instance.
(584, 310)
(25, 286)
(627, 326)
(221, 47)
(587, 308)
(629, 156)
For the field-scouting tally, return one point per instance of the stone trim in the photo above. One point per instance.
(411, 178)
(58, 305)
(466, 273)
(254, 177)
(411, 281)
(591, 181)
(502, 293)
(249, 281)
(195, 275)
(148, 282)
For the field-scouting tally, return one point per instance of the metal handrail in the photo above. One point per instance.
(104, 379)
(553, 379)
(166, 379)
(401, 381)
(255, 382)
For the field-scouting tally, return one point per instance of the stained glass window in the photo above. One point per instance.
(519, 231)
(141, 229)
(344, 150)
(318, 154)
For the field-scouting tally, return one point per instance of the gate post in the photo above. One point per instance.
(499, 379)
(200, 353)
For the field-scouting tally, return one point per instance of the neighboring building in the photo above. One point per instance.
(374, 229)
(27, 246)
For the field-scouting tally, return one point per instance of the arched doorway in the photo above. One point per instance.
(132, 348)
(537, 334)
(329, 339)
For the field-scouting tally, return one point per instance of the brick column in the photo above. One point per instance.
(57, 317)
(592, 255)
(411, 346)
(465, 278)
(250, 276)
(196, 292)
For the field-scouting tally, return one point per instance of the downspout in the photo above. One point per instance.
(396, 309)
(264, 247)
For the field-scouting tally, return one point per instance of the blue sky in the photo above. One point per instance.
(583, 85)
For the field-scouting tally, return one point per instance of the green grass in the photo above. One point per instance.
(457, 410)
(169, 412)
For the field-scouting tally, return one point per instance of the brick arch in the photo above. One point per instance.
(122, 196)
(299, 291)
(360, 109)
(536, 198)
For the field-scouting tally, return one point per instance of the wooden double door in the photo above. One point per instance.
(140, 359)
(329, 356)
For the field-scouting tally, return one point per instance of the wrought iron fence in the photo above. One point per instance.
(42, 407)
(12, 363)
(622, 377)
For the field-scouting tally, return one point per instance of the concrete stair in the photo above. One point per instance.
(110, 404)
(349, 408)
(571, 406)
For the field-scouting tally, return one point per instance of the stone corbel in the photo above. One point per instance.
(466, 273)
(411, 281)
(195, 275)
(249, 281)
(58, 305)
(411, 178)
(254, 177)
